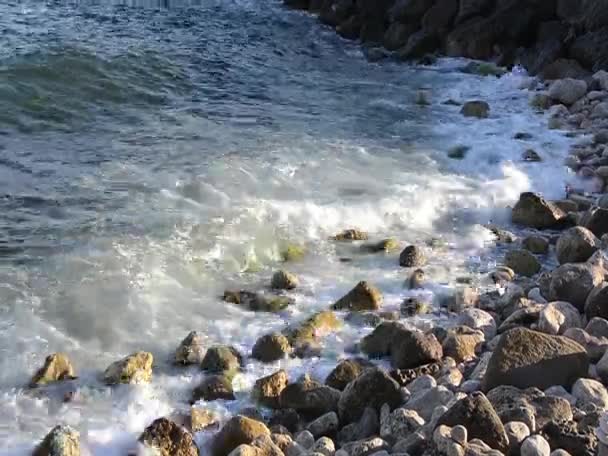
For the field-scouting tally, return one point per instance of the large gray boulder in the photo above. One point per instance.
(568, 91)
(525, 358)
(576, 245)
(572, 282)
(534, 211)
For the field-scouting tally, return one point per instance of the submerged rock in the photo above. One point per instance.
(271, 347)
(534, 211)
(214, 387)
(351, 235)
(312, 328)
(479, 109)
(525, 358)
(221, 358)
(284, 280)
(385, 245)
(57, 367)
(412, 257)
(258, 302)
(169, 439)
(293, 252)
(363, 297)
(61, 441)
(191, 350)
(414, 306)
(134, 369)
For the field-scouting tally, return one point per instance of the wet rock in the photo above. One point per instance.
(475, 412)
(284, 280)
(201, 419)
(346, 371)
(416, 280)
(458, 152)
(535, 445)
(557, 317)
(363, 297)
(385, 245)
(526, 358)
(478, 319)
(134, 369)
(596, 304)
(399, 423)
(586, 390)
(534, 211)
(310, 329)
(191, 350)
(462, 343)
(540, 101)
(412, 257)
(258, 302)
(267, 390)
(60, 441)
(293, 252)
(351, 235)
(530, 155)
(324, 425)
(220, 358)
(522, 262)
(479, 109)
(214, 387)
(576, 245)
(568, 91)
(271, 347)
(573, 282)
(309, 397)
(464, 298)
(169, 439)
(57, 367)
(372, 388)
(483, 69)
(536, 244)
(237, 431)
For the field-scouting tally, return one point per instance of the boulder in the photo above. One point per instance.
(536, 244)
(258, 302)
(478, 319)
(479, 109)
(169, 439)
(345, 372)
(309, 397)
(351, 235)
(214, 387)
(597, 327)
(426, 402)
(419, 44)
(271, 347)
(462, 342)
(568, 91)
(202, 419)
(284, 280)
(589, 391)
(557, 317)
(397, 34)
(399, 423)
(237, 431)
(535, 445)
(407, 348)
(526, 358)
(412, 257)
(595, 346)
(476, 414)
(517, 432)
(60, 441)
(596, 304)
(372, 388)
(367, 426)
(534, 211)
(312, 328)
(325, 425)
(134, 369)
(191, 350)
(57, 367)
(590, 49)
(573, 282)
(597, 221)
(601, 79)
(522, 262)
(220, 358)
(267, 390)
(363, 297)
(576, 245)
(576, 438)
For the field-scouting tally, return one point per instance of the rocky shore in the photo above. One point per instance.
(551, 38)
(522, 368)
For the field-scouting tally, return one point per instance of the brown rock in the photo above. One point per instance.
(201, 419)
(271, 347)
(345, 372)
(237, 431)
(61, 441)
(351, 235)
(169, 439)
(412, 257)
(284, 280)
(220, 358)
(576, 245)
(461, 343)
(522, 262)
(134, 369)
(479, 109)
(267, 390)
(56, 367)
(534, 211)
(573, 282)
(191, 350)
(214, 387)
(596, 304)
(309, 397)
(363, 297)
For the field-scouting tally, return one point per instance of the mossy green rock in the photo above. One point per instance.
(310, 329)
(385, 245)
(221, 358)
(293, 252)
